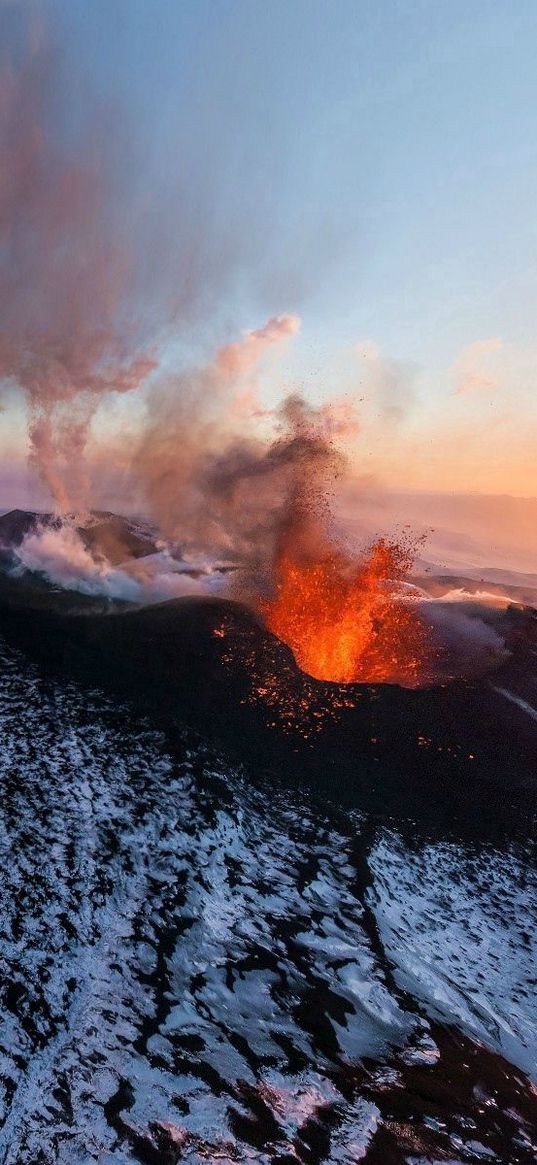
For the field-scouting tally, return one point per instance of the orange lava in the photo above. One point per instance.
(348, 622)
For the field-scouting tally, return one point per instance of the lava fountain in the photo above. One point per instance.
(350, 621)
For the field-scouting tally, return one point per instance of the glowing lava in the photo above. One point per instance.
(349, 622)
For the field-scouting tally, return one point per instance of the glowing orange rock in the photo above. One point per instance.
(350, 622)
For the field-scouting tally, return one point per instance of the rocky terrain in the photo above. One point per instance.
(199, 963)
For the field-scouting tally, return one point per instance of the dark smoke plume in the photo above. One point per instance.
(224, 475)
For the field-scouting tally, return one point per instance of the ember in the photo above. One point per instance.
(350, 622)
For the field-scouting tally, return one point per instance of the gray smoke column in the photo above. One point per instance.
(197, 437)
(222, 474)
(278, 492)
(68, 332)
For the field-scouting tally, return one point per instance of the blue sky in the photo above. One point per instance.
(389, 149)
(371, 167)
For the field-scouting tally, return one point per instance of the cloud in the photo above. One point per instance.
(474, 370)
(391, 382)
(235, 360)
(60, 555)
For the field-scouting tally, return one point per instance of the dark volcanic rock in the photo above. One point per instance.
(116, 537)
(198, 967)
(466, 747)
(15, 525)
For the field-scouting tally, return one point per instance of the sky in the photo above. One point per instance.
(368, 167)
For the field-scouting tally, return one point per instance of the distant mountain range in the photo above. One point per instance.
(470, 534)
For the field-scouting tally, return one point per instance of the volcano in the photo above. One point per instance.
(460, 747)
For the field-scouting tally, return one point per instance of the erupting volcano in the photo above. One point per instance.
(268, 584)
(347, 616)
(348, 621)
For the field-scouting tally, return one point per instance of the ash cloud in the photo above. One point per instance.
(69, 332)
(229, 477)
(108, 255)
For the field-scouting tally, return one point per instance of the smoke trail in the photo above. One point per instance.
(67, 333)
(230, 478)
(192, 435)
(58, 553)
